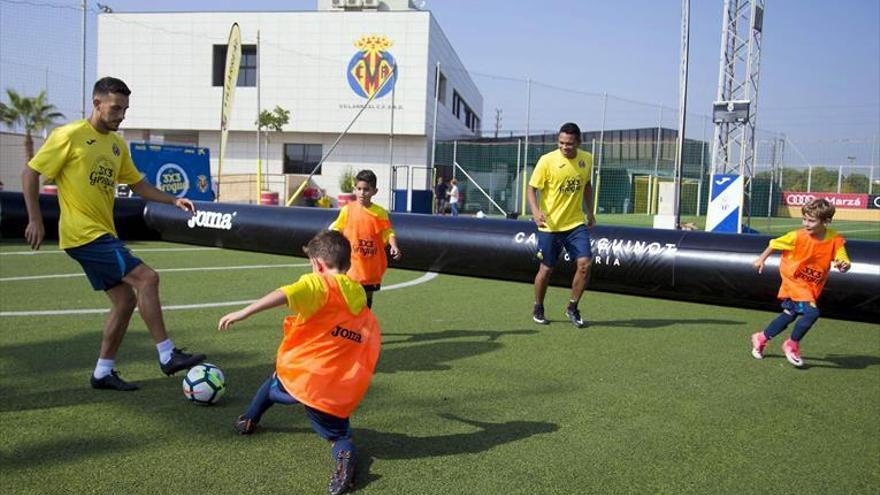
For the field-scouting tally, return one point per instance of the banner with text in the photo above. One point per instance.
(182, 171)
(839, 200)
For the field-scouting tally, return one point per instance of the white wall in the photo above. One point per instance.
(457, 79)
(167, 60)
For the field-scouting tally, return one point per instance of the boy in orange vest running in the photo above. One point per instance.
(328, 353)
(806, 260)
(367, 226)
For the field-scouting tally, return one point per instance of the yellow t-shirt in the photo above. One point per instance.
(562, 181)
(86, 165)
(308, 294)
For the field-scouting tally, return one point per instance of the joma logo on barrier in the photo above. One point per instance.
(211, 220)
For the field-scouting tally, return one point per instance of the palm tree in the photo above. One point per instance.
(33, 114)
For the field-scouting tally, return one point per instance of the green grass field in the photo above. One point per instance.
(470, 396)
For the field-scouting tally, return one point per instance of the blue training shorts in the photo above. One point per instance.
(327, 426)
(105, 261)
(575, 241)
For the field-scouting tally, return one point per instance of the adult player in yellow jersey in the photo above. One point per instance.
(563, 178)
(87, 159)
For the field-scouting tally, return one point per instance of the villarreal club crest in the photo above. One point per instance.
(371, 66)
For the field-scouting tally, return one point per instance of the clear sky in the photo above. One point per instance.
(820, 71)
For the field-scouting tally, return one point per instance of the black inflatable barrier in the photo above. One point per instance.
(128, 213)
(672, 264)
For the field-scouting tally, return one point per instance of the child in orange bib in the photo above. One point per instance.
(807, 256)
(328, 353)
(367, 227)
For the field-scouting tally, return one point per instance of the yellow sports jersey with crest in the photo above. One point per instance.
(562, 181)
(86, 165)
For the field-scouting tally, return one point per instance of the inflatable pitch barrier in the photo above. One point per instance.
(672, 264)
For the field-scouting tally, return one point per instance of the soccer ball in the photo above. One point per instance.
(204, 384)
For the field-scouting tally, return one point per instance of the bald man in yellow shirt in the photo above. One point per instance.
(563, 179)
(87, 159)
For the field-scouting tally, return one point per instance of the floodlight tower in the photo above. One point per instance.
(735, 109)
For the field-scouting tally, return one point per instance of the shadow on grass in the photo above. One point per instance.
(838, 361)
(658, 323)
(64, 450)
(832, 361)
(451, 334)
(435, 355)
(374, 444)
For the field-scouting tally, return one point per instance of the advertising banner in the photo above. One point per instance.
(725, 204)
(182, 171)
(839, 200)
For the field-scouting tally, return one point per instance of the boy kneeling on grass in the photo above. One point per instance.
(807, 256)
(328, 353)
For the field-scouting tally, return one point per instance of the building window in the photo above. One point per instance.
(456, 104)
(247, 68)
(301, 158)
(441, 95)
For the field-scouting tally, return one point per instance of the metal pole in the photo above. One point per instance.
(870, 180)
(454, 155)
(700, 184)
(682, 107)
(702, 167)
(839, 177)
(528, 120)
(259, 146)
(434, 127)
(391, 147)
(772, 173)
(83, 58)
(516, 186)
(809, 178)
(656, 161)
(602, 130)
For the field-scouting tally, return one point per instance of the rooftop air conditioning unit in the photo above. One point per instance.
(353, 3)
(339, 4)
(371, 4)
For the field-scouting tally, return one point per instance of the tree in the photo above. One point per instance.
(33, 114)
(272, 121)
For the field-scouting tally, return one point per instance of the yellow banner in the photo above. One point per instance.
(233, 60)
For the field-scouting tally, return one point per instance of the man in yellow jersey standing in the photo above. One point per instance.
(563, 178)
(87, 159)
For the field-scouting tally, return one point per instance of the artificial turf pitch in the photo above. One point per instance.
(470, 396)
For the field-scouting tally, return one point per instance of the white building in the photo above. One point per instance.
(318, 65)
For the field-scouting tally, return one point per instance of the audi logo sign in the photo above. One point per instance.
(841, 200)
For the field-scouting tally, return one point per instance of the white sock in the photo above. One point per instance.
(103, 368)
(165, 347)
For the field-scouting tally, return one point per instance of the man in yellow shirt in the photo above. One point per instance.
(87, 159)
(563, 178)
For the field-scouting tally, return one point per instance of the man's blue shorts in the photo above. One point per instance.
(575, 241)
(105, 260)
(327, 426)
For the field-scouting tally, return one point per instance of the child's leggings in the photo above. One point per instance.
(790, 310)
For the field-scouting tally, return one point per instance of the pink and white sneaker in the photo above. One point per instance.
(759, 341)
(792, 353)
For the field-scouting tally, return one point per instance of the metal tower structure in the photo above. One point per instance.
(735, 109)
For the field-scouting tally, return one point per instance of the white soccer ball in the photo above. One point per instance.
(204, 384)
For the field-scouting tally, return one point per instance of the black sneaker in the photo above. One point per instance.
(575, 317)
(112, 382)
(343, 476)
(538, 315)
(180, 361)
(244, 426)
